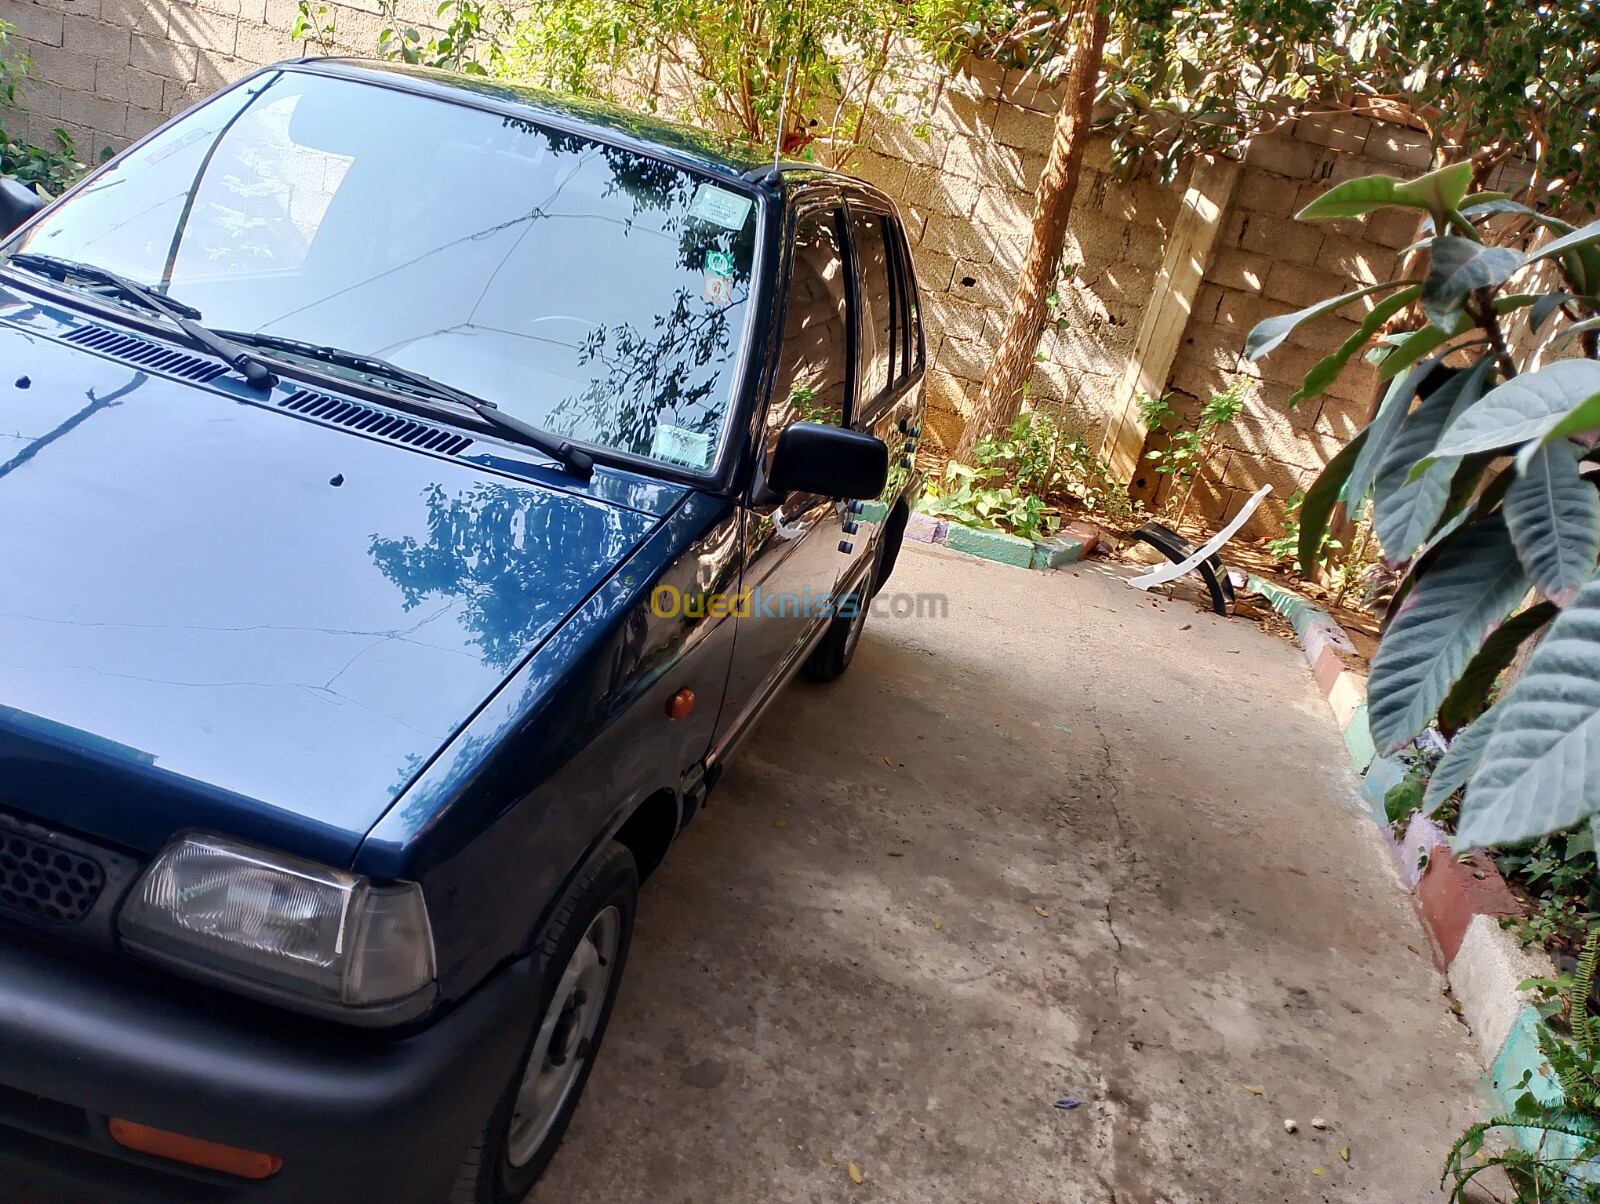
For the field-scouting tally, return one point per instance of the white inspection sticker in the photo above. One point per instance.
(720, 207)
(681, 446)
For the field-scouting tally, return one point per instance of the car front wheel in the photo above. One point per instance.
(581, 954)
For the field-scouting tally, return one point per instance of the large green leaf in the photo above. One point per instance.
(1541, 769)
(1467, 696)
(1326, 370)
(1459, 266)
(1473, 584)
(1554, 518)
(1391, 413)
(1530, 406)
(1439, 191)
(1459, 760)
(1271, 332)
(1587, 236)
(1317, 505)
(1352, 199)
(1412, 347)
(1406, 509)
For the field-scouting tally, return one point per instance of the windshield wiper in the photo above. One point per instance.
(576, 461)
(256, 374)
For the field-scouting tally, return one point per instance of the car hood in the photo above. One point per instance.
(215, 614)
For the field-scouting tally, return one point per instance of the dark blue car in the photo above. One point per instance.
(412, 491)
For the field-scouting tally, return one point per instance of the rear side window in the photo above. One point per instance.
(908, 319)
(869, 234)
(813, 374)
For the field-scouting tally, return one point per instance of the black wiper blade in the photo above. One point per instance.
(256, 374)
(575, 460)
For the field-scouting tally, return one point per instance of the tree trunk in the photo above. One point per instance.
(1001, 396)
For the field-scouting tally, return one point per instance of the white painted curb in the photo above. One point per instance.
(1484, 977)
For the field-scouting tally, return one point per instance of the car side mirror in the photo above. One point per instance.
(812, 457)
(18, 203)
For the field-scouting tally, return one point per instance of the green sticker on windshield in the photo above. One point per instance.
(719, 263)
(720, 207)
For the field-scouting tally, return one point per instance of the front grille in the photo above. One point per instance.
(47, 883)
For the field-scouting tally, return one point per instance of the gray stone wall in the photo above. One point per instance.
(962, 154)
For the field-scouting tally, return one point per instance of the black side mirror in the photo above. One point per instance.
(812, 457)
(18, 203)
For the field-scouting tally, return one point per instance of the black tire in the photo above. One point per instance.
(486, 1175)
(834, 652)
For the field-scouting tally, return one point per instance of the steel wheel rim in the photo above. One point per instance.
(565, 1038)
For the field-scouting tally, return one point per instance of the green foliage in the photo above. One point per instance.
(314, 27)
(1465, 65)
(1187, 448)
(1020, 483)
(1558, 873)
(1547, 1148)
(472, 39)
(47, 170)
(970, 496)
(738, 63)
(1481, 478)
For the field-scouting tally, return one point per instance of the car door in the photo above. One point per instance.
(888, 382)
(795, 546)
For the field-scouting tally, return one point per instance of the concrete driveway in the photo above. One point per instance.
(1065, 841)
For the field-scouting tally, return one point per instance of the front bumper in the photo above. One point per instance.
(355, 1118)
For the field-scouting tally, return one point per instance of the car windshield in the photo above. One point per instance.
(590, 290)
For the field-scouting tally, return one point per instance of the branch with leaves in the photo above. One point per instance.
(1480, 465)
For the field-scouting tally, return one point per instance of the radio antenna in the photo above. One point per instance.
(783, 113)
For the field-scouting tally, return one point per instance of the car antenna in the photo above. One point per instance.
(783, 114)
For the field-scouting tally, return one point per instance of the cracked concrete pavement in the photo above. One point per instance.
(1068, 840)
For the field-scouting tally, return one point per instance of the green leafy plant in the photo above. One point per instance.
(1548, 1147)
(1187, 448)
(471, 41)
(1475, 466)
(314, 27)
(1021, 482)
(735, 66)
(1286, 547)
(1558, 873)
(47, 170)
(971, 496)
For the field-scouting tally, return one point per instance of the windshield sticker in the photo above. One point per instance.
(718, 290)
(720, 207)
(719, 263)
(681, 446)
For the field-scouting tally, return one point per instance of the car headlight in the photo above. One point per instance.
(255, 918)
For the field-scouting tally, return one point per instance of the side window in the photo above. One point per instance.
(909, 319)
(870, 238)
(813, 373)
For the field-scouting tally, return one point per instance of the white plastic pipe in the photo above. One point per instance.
(1164, 573)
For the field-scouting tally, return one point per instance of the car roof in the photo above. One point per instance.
(710, 152)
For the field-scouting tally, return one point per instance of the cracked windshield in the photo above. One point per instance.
(589, 290)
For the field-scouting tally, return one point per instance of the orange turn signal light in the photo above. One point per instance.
(247, 1164)
(680, 704)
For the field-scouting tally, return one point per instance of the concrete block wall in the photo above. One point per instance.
(962, 154)
(109, 71)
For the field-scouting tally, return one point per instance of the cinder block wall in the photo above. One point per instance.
(962, 154)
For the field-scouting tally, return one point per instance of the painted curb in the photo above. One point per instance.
(1074, 542)
(991, 545)
(1485, 975)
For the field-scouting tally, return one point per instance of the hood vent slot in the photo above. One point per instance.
(133, 349)
(372, 421)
